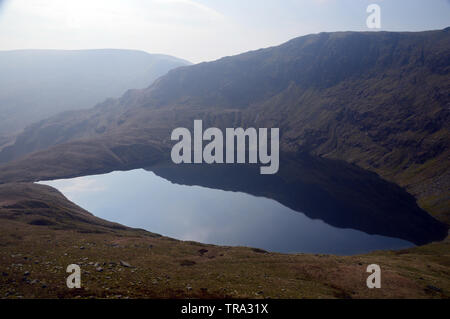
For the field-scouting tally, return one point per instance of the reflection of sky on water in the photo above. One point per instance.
(143, 200)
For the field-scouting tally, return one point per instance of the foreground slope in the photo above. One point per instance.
(41, 233)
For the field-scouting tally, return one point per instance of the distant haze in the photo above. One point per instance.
(36, 84)
(199, 30)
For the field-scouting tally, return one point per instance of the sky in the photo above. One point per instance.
(199, 30)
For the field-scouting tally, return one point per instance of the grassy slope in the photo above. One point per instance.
(163, 267)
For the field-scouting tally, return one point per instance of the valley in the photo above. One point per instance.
(364, 144)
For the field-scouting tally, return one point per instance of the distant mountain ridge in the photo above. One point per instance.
(317, 61)
(36, 84)
(379, 100)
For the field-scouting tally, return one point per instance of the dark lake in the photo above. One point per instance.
(311, 205)
(141, 199)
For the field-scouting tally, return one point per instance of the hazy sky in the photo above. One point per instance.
(198, 30)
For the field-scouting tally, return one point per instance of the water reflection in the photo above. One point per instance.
(340, 194)
(312, 205)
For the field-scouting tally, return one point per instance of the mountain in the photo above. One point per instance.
(36, 84)
(378, 100)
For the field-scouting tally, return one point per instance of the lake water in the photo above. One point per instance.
(141, 199)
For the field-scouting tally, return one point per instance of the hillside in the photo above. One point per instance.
(378, 100)
(37, 84)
